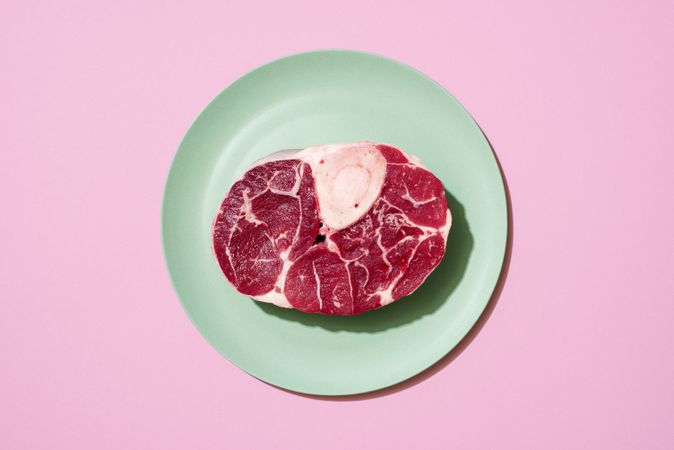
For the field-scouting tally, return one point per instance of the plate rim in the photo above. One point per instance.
(489, 285)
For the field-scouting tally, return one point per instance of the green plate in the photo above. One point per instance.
(327, 97)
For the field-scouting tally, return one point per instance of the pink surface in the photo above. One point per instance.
(96, 351)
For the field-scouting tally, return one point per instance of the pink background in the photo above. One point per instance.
(578, 101)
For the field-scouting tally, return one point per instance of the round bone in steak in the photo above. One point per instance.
(335, 229)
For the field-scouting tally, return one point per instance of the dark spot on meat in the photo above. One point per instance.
(322, 161)
(356, 205)
(320, 238)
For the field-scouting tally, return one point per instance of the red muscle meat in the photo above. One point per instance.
(337, 229)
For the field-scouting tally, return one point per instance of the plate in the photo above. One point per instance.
(327, 97)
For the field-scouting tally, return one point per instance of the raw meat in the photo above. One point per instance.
(335, 229)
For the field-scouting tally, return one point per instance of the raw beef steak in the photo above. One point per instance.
(333, 229)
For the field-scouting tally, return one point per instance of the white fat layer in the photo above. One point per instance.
(277, 156)
(273, 296)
